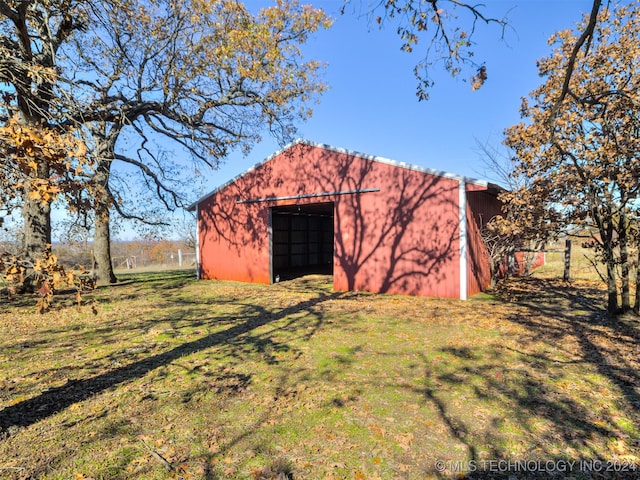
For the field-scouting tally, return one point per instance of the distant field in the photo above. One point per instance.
(129, 272)
(582, 263)
(163, 376)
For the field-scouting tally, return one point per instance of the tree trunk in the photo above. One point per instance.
(610, 261)
(567, 260)
(102, 248)
(37, 227)
(612, 288)
(37, 233)
(102, 235)
(606, 229)
(636, 306)
(624, 262)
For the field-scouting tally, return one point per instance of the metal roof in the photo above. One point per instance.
(353, 153)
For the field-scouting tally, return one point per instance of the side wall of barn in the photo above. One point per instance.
(482, 206)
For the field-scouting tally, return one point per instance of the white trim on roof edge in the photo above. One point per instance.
(353, 153)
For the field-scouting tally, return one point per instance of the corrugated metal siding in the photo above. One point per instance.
(482, 206)
(402, 238)
(234, 239)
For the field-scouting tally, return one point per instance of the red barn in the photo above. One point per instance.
(377, 225)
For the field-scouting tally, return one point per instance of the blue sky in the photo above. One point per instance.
(371, 106)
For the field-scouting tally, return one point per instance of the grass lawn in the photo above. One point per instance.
(168, 377)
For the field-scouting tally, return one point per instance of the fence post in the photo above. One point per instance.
(179, 258)
(567, 260)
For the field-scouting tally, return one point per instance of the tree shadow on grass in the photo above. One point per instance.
(566, 375)
(236, 340)
(608, 344)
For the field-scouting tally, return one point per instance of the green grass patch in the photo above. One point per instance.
(178, 378)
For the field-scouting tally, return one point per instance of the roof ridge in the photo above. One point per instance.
(345, 151)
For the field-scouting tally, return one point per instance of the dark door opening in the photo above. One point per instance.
(301, 240)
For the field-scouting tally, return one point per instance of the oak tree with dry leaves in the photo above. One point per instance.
(579, 144)
(208, 76)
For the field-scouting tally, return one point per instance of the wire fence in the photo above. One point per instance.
(178, 259)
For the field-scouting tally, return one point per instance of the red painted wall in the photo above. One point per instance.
(538, 261)
(482, 206)
(401, 239)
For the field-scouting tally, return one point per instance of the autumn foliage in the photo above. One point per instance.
(23, 149)
(447, 28)
(48, 274)
(205, 77)
(580, 156)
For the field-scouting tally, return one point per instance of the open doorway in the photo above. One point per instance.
(301, 240)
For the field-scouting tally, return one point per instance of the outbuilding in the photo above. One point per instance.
(375, 224)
